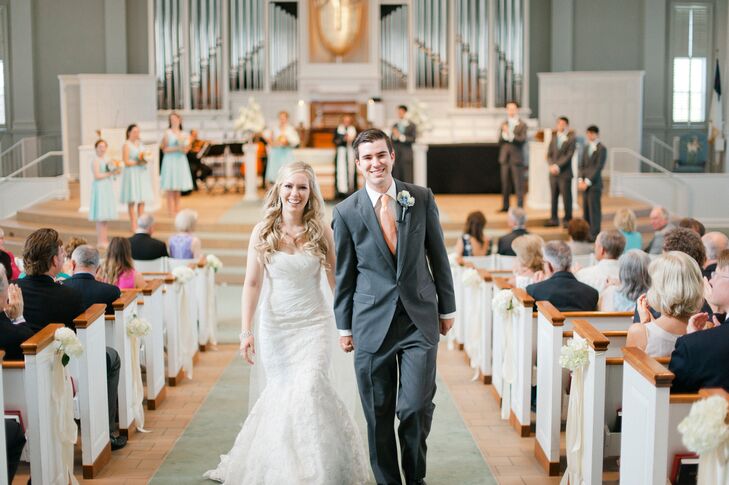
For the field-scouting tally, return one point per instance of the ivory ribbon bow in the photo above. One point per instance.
(187, 344)
(64, 427)
(575, 439)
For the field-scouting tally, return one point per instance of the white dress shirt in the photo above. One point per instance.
(597, 276)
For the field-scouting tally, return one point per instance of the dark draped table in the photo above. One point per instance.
(464, 168)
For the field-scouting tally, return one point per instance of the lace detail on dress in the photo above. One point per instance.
(299, 431)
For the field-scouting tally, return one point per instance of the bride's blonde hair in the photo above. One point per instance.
(271, 235)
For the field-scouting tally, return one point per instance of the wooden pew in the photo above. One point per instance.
(551, 327)
(497, 339)
(207, 314)
(3, 450)
(151, 307)
(158, 265)
(89, 370)
(524, 344)
(193, 296)
(27, 388)
(650, 438)
(457, 334)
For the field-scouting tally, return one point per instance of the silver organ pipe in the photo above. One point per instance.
(431, 41)
(509, 51)
(168, 53)
(394, 46)
(471, 53)
(246, 44)
(284, 57)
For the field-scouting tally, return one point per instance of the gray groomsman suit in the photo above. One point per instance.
(511, 159)
(391, 304)
(403, 168)
(561, 155)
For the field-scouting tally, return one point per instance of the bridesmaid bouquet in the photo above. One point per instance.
(145, 156)
(114, 167)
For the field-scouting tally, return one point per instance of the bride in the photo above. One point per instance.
(298, 431)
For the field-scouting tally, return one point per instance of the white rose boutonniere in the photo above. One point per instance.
(406, 201)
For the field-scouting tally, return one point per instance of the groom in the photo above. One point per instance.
(394, 295)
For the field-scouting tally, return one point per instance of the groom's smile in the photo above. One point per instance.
(375, 162)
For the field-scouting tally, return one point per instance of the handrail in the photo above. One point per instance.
(657, 141)
(31, 164)
(12, 147)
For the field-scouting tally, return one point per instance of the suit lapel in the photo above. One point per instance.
(403, 229)
(370, 220)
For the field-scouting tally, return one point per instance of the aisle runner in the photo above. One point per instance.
(452, 455)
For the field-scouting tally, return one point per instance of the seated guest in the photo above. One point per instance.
(144, 246)
(472, 242)
(14, 443)
(677, 293)
(5, 263)
(118, 267)
(561, 288)
(85, 262)
(16, 271)
(517, 222)
(12, 332)
(184, 244)
(634, 280)
(45, 300)
(626, 222)
(69, 248)
(529, 262)
(714, 244)
(579, 232)
(608, 248)
(717, 293)
(661, 224)
(693, 224)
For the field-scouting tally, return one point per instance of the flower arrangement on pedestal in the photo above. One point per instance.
(418, 114)
(250, 119)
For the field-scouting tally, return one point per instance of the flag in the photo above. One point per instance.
(716, 117)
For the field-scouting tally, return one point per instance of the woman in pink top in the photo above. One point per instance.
(118, 267)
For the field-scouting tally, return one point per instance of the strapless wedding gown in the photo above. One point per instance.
(299, 431)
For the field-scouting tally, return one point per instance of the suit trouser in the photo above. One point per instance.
(403, 167)
(512, 176)
(561, 185)
(14, 442)
(406, 350)
(113, 367)
(592, 209)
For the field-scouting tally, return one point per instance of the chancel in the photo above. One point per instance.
(382, 241)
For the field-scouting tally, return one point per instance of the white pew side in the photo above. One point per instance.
(116, 336)
(497, 339)
(153, 265)
(524, 337)
(153, 311)
(192, 298)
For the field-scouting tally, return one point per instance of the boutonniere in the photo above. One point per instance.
(405, 200)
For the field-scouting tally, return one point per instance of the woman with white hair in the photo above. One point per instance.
(622, 295)
(184, 244)
(677, 291)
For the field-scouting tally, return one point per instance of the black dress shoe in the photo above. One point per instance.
(503, 209)
(551, 223)
(117, 442)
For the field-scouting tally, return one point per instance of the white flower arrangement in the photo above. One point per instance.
(705, 428)
(68, 344)
(471, 277)
(213, 262)
(138, 327)
(183, 274)
(418, 114)
(250, 118)
(504, 303)
(574, 355)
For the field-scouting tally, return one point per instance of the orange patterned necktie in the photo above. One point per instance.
(387, 223)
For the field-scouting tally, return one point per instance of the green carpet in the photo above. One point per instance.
(453, 456)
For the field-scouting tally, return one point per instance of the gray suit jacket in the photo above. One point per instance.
(562, 156)
(591, 166)
(513, 151)
(370, 280)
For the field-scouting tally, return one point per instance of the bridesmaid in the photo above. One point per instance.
(136, 187)
(103, 203)
(175, 176)
(281, 141)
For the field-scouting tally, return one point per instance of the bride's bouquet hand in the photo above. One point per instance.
(248, 349)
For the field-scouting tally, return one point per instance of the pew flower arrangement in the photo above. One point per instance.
(138, 327)
(68, 344)
(574, 355)
(183, 274)
(213, 262)
(504, 303)
(471, 277)
(705, 429)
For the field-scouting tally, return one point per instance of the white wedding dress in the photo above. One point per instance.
(299, 431)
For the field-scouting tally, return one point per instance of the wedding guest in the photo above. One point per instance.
(608, 248)
(144, 246)
(102, 208)
(633, 281)
(5, 262)
(718, 289)
(676, 291)
(85, 263)
(579, 242)
(281, 139)
(68, 250)
(661, 224)
(561, 288)
(693, 224)
(714, 243)
(118, 267)
(589, 182)
(345, 172)
(559, 159)
(136, 186)
(512, 136)
(12, 334)
(529, 262)
(516, 221)
(175, 174)
(473, 242)
(403, 137)
(184, 244)
(625, 222)
(16, 271)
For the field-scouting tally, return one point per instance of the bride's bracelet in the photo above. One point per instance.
(245, 334)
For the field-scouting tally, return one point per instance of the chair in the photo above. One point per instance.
(693, 153)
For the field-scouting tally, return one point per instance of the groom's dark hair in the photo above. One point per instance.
(370, 136)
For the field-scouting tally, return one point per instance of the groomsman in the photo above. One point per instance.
(590, 179)
(511, 155)
(403, 137)
(345, 173)
(559, 157)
